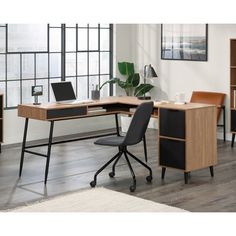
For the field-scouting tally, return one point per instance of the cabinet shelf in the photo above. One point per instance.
(233, 85)
(172, 138)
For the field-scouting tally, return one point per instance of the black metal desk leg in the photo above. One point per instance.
(117, 125)
(233, 137)
(145, 147)
(49, 151)
(23, 146)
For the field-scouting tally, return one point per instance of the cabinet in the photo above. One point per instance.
(1, 121)
(187, 137)
(233, 88)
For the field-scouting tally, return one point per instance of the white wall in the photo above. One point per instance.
(185, 76)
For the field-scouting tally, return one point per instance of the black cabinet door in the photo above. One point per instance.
(172, 123)
(233, 120)
(172, 153)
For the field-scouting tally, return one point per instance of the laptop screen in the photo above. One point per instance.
(63, 91)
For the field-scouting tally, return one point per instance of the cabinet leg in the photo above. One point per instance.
(211, 171)
(163, 171)
(186, 176)
(233, 137)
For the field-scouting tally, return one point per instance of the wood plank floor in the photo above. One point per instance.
(73, 165)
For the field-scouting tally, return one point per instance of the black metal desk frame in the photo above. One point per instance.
(25, 149)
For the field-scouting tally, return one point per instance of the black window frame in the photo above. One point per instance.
(63, 52)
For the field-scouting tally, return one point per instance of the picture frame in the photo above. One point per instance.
(185, 42)
(37, 90)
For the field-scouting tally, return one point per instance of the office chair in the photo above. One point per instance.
(215, 99)
(134, 135)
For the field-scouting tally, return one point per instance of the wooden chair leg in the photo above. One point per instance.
(233, 137)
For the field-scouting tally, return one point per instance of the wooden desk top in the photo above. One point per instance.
(39, 111)
(116, 100)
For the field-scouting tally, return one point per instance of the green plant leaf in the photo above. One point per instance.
(133, 80)
(126, 68)
(142, 89)
(122, 84)
(110, 81)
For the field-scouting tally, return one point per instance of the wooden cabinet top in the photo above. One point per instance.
(187, 106)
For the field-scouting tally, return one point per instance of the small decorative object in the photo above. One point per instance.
(37, 90)
(148, 73)
(131, 82)
(184, 42)
(95, 93)
(180, 98)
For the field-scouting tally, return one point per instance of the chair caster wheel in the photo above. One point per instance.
(112, 174)
(149, 179)
(132, 188)
(92, 184)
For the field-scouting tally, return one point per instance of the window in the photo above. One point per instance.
(39, 54)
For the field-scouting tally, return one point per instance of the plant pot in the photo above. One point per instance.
(95, 94)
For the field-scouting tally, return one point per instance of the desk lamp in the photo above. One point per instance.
(149, 73)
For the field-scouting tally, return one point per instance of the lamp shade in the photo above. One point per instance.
(149, 72)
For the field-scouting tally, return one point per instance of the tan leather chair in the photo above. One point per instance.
(211, 98)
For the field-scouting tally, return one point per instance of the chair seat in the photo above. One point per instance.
(110, 141)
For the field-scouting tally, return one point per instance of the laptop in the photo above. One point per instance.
(64, 93)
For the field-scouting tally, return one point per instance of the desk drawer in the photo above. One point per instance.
(172, 123)
(66, 112)
(172, 153)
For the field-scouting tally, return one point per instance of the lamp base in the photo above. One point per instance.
(145, 98)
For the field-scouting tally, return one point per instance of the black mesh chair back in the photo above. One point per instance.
(139, 124)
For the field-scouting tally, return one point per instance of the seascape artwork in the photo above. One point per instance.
(184, 42)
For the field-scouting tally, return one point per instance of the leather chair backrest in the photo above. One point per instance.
(209, 98)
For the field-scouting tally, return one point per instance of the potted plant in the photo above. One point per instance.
(130, 81)
(132, 86)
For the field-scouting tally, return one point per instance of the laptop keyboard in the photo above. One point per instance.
(77, 102)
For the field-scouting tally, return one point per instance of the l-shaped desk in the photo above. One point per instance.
(186, 134)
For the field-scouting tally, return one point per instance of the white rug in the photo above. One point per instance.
(97, 200)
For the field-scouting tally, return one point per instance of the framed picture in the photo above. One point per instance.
(37, 90)
(184, 42)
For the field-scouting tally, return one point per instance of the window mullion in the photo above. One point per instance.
(63, 52)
